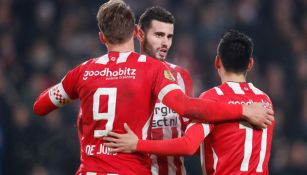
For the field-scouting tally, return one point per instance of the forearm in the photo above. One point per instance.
(43, 104)
(202, 110)
(186, 145)
(165, 147)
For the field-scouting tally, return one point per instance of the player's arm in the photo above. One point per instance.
(56, 96)
(186, 145)
(205, 111)
(208, 111)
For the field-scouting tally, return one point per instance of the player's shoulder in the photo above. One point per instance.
(184, 72)
(176, 67)
(211, 93)
(256, 90)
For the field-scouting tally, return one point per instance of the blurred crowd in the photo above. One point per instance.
(40, 40)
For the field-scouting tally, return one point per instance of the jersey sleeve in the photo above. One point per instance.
(164, 81)
(186, 145)
(203, 110)
(57, 95)
(188, 90)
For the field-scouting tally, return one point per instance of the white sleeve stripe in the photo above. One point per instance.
(218, 91)
(166, 90)
(58, 96)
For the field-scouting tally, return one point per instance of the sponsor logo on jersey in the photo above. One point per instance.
(169, 75)
(165, 121)
(163, 110)
(250, 101)
(164, 116)
(121, 73)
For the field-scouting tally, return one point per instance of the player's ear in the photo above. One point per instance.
(217, 62)
(102, 38)
(139, 33)
(250, 64)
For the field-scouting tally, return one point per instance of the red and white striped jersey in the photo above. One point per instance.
(167, 124)
(229, 148)
(114, 89)
(236, 147)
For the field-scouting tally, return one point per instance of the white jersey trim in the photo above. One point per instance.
(218, 91)
(103, 59)
(254, 89)
(181, 82)
(263, 150)
(166, 90)
(206, 129)
(215, 159)
(235, 87)
(142, 58)
(145, 129)
(123, 57)
(58, 96)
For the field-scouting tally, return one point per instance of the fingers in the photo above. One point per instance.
(127, 128)
(111, 144)
(110, 139)
(267, 122)
(113, 134)
(271, 118)
(264, 126)
(116, 150)
(270, 112)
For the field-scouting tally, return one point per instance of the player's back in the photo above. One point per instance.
(235, 148)
(114, 89)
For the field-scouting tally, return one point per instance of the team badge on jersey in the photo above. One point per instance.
(169, 75)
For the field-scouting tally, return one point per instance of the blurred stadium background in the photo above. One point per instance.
(40, 40)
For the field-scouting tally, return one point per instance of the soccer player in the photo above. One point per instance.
(155, 35)
(123, 86)
(235, 147)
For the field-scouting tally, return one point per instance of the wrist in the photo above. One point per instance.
(244, 111)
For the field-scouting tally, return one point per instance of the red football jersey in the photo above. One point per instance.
(230, 147)
(167, 124)
(237, 147)
(120, 88)
(114, 89)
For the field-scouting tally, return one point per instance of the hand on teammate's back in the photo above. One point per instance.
(257, 114)
(125, 143)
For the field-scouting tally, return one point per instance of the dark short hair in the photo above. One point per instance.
(155, 13)
(235, 49)
(116, 21)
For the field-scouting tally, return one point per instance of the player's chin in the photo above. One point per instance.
(160, 57)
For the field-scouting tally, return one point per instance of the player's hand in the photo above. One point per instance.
(125, 143)
(256, 114)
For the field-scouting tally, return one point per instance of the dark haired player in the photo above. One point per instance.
(156, 36)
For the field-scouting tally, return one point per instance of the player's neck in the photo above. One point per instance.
(233, 77)
(124, 47)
